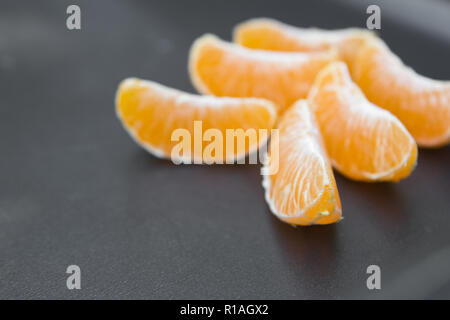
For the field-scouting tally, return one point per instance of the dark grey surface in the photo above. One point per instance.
(74, 189)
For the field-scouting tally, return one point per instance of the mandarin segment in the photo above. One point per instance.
(422, 104)
(363, 141)
(303, 189)
(270, 34)
(151, 113)
(225, 69)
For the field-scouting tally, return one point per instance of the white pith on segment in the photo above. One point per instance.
(341, 104)
(304, 170)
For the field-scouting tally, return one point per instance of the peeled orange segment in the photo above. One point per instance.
(422, 104)
(364, 142)
(269, 34)
(151, 113)
(226, 69)
(303, 190)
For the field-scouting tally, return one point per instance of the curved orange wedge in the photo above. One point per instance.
(364, 142)
(422, 104)
(303, 189)
(225, 69)
(152, 114)
(269, 34)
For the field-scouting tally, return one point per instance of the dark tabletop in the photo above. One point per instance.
(75, 189)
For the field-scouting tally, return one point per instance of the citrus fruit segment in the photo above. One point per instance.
(269, 34)
(303, 189)
(154, 115)
(422, 104)
(225, 69)
(364, 142)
